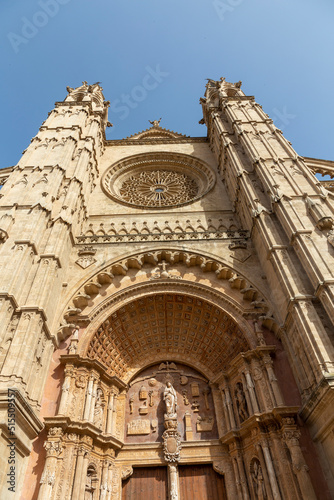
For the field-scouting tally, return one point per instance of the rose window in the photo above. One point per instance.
(158, 180)
(158, 188)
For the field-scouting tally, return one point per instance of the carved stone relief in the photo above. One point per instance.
(169, 404)
(139, 426)
(258, 480)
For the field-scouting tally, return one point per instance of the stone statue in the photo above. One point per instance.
(170, 399)
(155, 123)
(241, 402)
(98, 410)
(258, 480)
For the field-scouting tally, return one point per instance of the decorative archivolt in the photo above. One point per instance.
(255, 303)
(161, 326)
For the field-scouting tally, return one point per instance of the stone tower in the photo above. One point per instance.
(166, 309)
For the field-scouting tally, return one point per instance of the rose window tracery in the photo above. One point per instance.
(158, 180)
(158, 188)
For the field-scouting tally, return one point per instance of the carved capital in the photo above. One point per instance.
(53, 448)
(55, 432)
(291, 437)
(87, 440)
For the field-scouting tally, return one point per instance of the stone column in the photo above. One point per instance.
(53, 449)
(171, 441)
(173, 482)
(247, 395)
(104, 480)
(114, 415)
(114, 483)
(291, 437)
(284, 473)
(237, 478)
(273, 380)
(271, 471)
(243, 479)
(110, 412)
(82, 485)
(251, 391)
(65, 391)
(229, 406)
(78, 473)
(264, 469)
(88, 397)
(92, 405)
(227, 418)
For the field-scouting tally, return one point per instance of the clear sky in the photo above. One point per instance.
(153, 58)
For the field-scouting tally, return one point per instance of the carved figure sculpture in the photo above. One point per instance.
(241, 402)
(170, 399)
(155, 123)
(98, 410)
(90, 483)
(185, 397)
(131, 404)
(258, 482)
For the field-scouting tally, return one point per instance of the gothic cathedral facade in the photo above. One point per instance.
(167, 310)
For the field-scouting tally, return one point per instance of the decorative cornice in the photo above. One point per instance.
(76, 360)
(155, 140)
(83, 428)
(170, 236)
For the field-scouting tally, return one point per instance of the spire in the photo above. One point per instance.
(224, 88)
(93, 94)
(87, 93)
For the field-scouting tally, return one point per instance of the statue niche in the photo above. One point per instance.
(258, 480)
(99, 408)
(241, 402)
(90, 483)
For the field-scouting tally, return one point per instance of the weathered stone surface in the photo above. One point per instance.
(136, 264)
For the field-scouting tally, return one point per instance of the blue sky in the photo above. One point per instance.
(160, 54)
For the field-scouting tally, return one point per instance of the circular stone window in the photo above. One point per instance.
(158, 180)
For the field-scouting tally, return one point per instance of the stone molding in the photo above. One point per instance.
(250, 294)
(167, 236)
(28, 425)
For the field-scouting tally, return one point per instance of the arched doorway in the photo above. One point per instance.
(112, 412)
